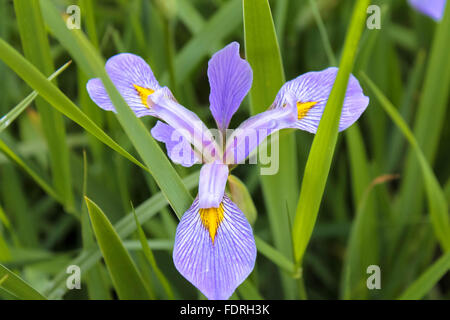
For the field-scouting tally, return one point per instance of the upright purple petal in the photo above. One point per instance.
(132, 77)
(230, 79)
(186, 122)
(216, 267)
(252, 132)
(432, 8)
(211, 187)
(178, 148)
(311, 91)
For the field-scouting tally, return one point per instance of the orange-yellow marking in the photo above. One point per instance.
(303, 108)
(211, 219)
(143, 93)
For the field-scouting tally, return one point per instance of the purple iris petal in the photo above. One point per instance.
(432, 8)
(132, 77)
(312, 89)
(186, 122)
(211, 187)
(230, 79)
(215, 268)
(254, 130)
(178, 148)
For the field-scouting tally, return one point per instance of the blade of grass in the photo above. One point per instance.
(4, 219)
(219, 26)
(151, 259)
(280, 190)
(321, 154)
(90, 108)
(37, 50)
(124, 274)
(9, 118)
(323, 33)
(98, 288)
(17, 286)
(56, 98)
(436, 198)
(24, 166)
(275, 256)
(419, 288)
(428, 125)
(125, 227)
(362, 248)
(354, 274)
(92, 64)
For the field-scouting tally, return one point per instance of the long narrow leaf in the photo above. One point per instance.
(125, 276)
(55, 97)
(17, 286)
(436, 198)
(321, 154)
(12, 115)
(281, 189)
(419, 288)
(92, 64)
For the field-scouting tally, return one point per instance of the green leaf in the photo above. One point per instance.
(92, 64)
(151, 259)
(12, 115)
(419, 288)
(55, 97)
(125, 227)
(124, 274)
(362, 249)
(35, 176)
(37, 50)
(275, 256)
(16, 286)
(281, 189)
(220, 25)
(436, 198)
(428, 125)
(322, 150)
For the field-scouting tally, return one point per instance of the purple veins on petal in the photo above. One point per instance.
(178, 148)
(311, 91)
(132, 77)
(432, 8)
(230, 79)
(211, 186)
(216, 267)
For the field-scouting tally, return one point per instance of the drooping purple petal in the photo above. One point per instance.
(215, 268)
(252, 132)
(211, 186)
(132, 77)
(311, 91)
(178, 148)
(230, 79)
(186, 122)
(432, 8)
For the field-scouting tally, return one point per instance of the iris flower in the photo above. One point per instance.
(214, 244)
(432, 8)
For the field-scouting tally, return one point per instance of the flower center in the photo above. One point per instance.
(211, 219)
(143, 93)
(303, 108)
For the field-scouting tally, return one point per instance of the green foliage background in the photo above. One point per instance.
(70, 173)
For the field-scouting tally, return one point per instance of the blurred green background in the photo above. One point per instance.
(375, 209)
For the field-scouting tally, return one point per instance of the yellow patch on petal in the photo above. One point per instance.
(211, 219)
(143, 93)
(303, 108)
